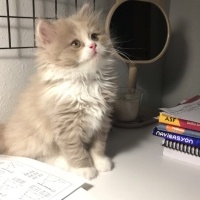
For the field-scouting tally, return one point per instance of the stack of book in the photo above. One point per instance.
(180, 128)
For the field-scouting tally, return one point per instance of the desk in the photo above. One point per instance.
(141, 172)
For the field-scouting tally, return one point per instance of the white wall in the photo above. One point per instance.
(182, 66)
(16, 66)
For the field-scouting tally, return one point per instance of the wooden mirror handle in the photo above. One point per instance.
(132, 75)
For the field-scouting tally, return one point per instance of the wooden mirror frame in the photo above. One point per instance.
(133, 63)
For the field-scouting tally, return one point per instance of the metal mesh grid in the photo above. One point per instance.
(33, 18)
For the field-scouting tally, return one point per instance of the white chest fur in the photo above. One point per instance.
(81, 96)
(85, 90)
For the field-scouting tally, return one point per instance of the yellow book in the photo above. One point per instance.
(168, 119)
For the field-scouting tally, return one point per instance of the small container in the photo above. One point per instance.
(127, 105)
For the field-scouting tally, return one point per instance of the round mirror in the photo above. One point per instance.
(140, 30)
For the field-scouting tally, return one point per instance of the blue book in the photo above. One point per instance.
(178, 130)
(192, 141)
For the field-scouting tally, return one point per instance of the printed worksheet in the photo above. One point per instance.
(189, 111)
(27, 179)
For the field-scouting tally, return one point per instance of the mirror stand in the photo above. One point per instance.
(142, 29)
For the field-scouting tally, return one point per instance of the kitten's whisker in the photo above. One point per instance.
(131, 48)
(123, 53)
(116, 41)
(114, 51)
(119, 39)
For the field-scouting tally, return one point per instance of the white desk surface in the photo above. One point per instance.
(141, 172)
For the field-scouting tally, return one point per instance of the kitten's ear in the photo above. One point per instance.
(45, 33)
(86, 10)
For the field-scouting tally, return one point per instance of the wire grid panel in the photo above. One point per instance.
(18, 19)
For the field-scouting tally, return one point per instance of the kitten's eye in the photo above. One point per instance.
(76, 44)
(94, 37)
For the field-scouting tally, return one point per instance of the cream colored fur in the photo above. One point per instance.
(63, 116)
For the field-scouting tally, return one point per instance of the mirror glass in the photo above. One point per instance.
(139, 29)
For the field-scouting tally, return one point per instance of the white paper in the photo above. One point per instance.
(189, 111)
(28, 179)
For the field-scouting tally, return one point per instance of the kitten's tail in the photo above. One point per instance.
(2, 127)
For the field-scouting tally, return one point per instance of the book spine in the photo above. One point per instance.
(177, 138)
(178, 130)
(181, 147)
(168, 119)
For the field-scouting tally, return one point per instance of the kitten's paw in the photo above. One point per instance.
(87, 172)
(59, 162)
(103, 164)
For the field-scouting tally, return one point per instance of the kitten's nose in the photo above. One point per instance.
(93, 46)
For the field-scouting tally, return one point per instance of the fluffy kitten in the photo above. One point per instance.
(63, 116)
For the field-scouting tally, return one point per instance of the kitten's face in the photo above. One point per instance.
(75, 40)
